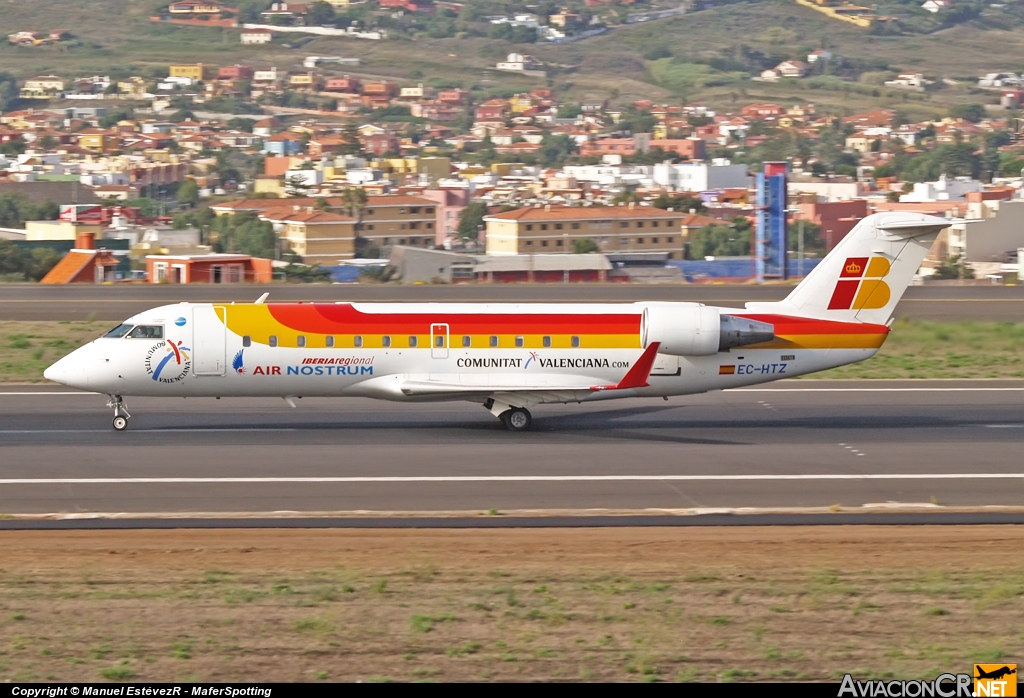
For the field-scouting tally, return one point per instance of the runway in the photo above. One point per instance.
(795, 447)
(115, 303)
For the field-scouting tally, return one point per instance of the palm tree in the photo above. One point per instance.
(354, 199)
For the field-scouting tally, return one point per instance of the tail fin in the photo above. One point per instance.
(864, 276)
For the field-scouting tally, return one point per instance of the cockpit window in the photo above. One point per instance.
(147, 332)
(119, 331)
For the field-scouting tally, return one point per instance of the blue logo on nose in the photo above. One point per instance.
(180, 322)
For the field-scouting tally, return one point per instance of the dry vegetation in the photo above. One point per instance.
(117, 34)
(656, 604)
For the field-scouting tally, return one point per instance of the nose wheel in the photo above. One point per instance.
(121, 415)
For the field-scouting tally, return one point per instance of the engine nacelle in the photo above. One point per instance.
(683, 329)
(692, 329)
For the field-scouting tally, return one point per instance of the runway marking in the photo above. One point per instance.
(164, 430)
(51, 392)
(871, 390)
(728, 390)
(1004, 426)
(503, 478)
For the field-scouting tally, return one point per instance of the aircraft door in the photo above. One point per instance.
(209, 340)
(439, 341)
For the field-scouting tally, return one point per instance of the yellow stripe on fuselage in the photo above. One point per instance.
(256, 322)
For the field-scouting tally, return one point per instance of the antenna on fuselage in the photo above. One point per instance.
(259, 301)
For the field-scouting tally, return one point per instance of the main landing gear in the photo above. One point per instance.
(121, 415)
(514, 418)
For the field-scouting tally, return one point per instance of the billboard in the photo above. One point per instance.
(81, 213)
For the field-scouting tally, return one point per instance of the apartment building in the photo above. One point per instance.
(399, 220)
(319, 237)
(197, 71)
(554, 229)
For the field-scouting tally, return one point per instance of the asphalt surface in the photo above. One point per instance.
(115, 303)
(872, 446)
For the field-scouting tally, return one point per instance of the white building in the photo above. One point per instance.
(945, 189)
(518, 62)
(1000, 80)
(518, 21)
(700, 176)
(908, 81)
(257, 36)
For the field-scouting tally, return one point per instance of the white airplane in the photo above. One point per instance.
(512, 356)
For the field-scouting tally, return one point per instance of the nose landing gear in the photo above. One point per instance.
(121, 415)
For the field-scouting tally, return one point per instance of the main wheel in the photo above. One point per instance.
(120, 423)
(517, 419)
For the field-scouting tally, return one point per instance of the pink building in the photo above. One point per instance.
(450, 203)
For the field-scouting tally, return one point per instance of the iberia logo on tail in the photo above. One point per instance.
(860, 285)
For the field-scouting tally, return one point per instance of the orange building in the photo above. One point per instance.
(208, 269)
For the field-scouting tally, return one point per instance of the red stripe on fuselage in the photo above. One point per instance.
(788, 325)
(316, 318)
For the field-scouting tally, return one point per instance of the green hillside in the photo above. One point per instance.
(704, 56)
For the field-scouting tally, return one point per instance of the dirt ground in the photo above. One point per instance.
(654, 604)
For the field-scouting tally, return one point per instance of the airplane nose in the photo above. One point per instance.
(55, 373)
(69, 371)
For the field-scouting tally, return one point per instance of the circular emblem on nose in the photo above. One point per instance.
(180, 322)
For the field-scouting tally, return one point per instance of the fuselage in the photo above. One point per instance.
(447, 351)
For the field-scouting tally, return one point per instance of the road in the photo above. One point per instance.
(793, 445)
(114, 303)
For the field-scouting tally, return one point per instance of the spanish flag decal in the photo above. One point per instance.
(860, 285)
(726, 370)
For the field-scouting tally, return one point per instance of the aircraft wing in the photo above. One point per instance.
(557, 387)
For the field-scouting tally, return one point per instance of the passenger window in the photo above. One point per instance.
(520, 341)
(494, 340)
(329, 341)
(412, 341)
(273, 340)
(147, 332)
(467, 341)
(246, 341)
(358, 341)
(547, 341)
(575, 342)
(439, 340)
(300, 341)
(386, 341)
(119, 331)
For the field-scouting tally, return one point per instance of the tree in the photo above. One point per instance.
(188, 193)
(9, 94)
(954, 268)
(15, 209)
(240, 123)
(626, 197)
(352, 144)
(295, 185)
(968, 112)
(110, 120)
(320, 14)
(680, 202)
(470, 220)
(354, 200)
(722, 240)
(584, 246)
(40, 262)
